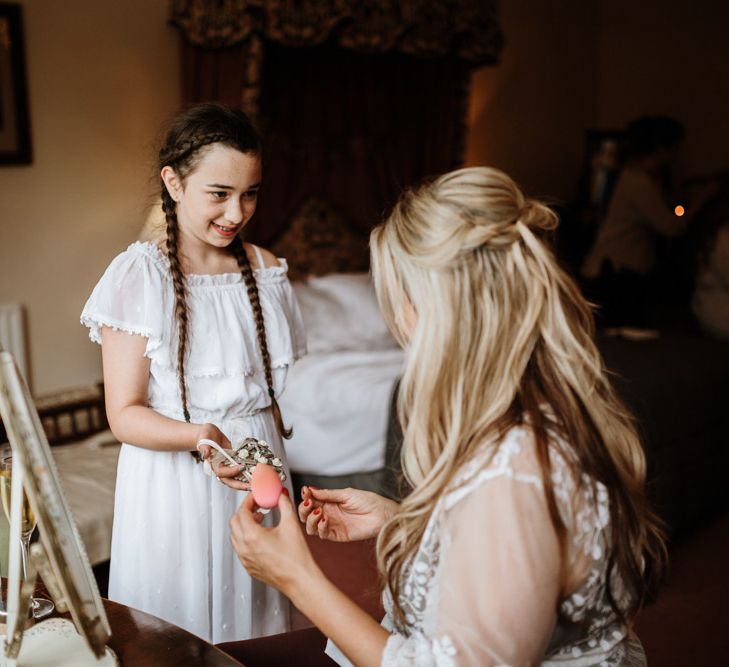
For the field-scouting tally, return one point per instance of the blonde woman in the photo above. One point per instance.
(526, 538)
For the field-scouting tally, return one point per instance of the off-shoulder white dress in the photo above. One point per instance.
(483, 587)
(171, 554)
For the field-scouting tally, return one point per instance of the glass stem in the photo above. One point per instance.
(25, 542)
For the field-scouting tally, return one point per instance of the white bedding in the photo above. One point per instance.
(87, 473)
(338, 397)
(338, 404)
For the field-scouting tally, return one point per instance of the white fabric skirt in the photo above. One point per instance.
(171, 554)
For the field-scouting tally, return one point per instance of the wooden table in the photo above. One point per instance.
(142, 640)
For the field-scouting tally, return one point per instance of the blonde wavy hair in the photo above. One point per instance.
(501, 331)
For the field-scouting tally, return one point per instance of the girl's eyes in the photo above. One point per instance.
(220, 195)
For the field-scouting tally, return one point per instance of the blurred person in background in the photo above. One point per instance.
(620, 268)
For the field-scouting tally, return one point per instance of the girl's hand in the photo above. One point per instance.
(276, 556)
(221, 471)
(211, 432)
(344, 515)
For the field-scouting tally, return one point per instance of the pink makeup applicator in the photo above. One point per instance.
(266, 486)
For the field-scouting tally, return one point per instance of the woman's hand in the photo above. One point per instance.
(223, 472)
(277, 556)
(344, 515)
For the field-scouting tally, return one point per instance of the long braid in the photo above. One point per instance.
(178, 280)
(250, 281)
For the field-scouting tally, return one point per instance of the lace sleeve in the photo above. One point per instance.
(496, 590)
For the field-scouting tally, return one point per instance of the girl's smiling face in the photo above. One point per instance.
(218, 197)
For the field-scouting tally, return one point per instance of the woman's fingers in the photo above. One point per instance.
(322, 495)
(286, 507)
(249, 504)
(323, 528)
(239, 520)
(312, 510)
(307, 504)
(312, 522)
(305, 508)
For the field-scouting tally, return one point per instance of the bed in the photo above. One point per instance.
(85, 452)
(338, 397)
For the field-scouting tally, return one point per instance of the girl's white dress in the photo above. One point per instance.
(171, 554)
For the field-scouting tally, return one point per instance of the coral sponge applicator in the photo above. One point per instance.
(266, 486)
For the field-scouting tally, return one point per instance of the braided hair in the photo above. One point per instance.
(245, 268)
(189, 134)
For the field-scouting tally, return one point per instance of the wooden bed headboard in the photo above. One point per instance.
(318, 242)
(71, 415)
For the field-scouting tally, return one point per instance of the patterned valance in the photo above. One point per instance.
(467, 29)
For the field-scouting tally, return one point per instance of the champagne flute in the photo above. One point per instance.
(40, 606)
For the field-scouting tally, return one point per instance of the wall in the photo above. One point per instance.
(102, 78)
(571, 66)
(528, 115)
(669, 57)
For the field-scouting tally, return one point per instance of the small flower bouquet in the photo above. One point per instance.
(246, 456)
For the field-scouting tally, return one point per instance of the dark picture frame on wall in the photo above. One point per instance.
(15, 146)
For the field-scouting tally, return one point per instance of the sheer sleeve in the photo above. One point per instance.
(499, 578)
(130, 297)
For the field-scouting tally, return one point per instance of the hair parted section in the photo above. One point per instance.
(188, 136)
(502, 338)
(188, 147)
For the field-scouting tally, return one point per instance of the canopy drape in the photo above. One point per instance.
(356, 99)
(467, 29)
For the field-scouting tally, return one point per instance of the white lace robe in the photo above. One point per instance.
(483, 588)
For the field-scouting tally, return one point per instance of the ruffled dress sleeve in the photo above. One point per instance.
(129, 297)
(285, 332)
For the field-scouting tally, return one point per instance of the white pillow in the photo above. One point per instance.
(340, 312)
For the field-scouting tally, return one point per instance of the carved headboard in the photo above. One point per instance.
(71, 415)
(318, 242)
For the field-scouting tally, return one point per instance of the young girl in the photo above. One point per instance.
(197, 334)
(526, 538)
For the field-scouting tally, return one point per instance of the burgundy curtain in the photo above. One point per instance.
(230, 75)
(353, 130)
